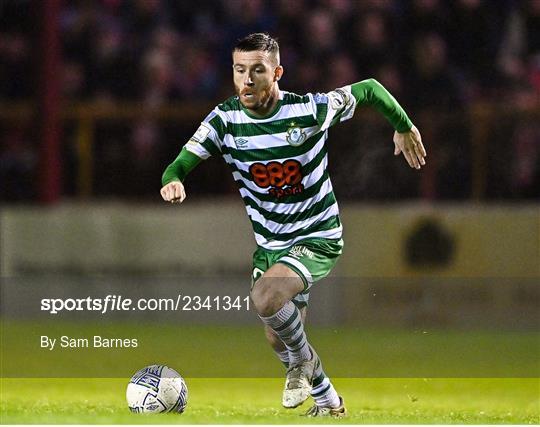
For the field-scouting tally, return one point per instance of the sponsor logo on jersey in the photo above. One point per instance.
(279, 193)
(283, 178)
(295, 135)
(240, 142)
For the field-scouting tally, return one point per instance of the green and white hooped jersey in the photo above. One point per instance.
(280, 163)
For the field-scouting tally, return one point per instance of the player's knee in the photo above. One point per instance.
(266, 297)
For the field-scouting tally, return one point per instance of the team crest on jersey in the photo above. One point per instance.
(240, 143)
(295, 135)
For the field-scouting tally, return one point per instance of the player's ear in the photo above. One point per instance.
(278, 72)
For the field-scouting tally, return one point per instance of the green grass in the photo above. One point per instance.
(257, 401)
(244, 353)
(385, 376)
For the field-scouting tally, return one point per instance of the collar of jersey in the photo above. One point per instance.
(270, 114)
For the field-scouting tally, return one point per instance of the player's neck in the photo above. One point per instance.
(269, 105)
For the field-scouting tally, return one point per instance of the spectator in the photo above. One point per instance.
(15, 59)
(432, 80)
(473, 37)
(435, 56)
(519, 55)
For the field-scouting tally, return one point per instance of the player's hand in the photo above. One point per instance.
(173, 192)
(410, 144)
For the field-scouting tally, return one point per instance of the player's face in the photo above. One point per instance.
(255, 77)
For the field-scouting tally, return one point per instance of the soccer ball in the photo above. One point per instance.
(157, 388)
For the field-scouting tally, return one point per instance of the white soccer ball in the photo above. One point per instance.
(157, 388)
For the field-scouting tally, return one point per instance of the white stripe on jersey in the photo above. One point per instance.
(334, 233)
(264, 141)
(291, 208)
(295, 226)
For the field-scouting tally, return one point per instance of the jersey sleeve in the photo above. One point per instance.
(333, 107)
(205, 142)
(180, 167)
(208, 138)
(370, 92)
(340, 104)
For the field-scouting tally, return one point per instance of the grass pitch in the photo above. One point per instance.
(242, 352)
(207, 355)
(257, 401)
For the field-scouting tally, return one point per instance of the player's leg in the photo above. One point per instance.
(262, 260)
(272, 298)
(323, 392)
(277, 345)
(311, 260)
(327, 400)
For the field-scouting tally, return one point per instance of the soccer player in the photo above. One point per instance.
(275, 143)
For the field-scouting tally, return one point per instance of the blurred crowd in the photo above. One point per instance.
(433, 55)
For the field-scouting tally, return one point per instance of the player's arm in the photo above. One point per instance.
(173, 190)
(203, 144)
(407, 138)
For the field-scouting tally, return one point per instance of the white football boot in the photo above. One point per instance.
(298, 383)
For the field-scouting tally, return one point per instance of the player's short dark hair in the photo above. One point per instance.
(257, 41)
